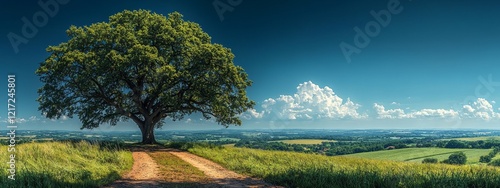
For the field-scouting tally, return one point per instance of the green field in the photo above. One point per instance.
(228, 145)
(304, 141)
(418, 154)
(291, 169)
(65, 164)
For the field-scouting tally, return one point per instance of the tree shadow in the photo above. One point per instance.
(221, 183)
(151, 184)
(145, 147)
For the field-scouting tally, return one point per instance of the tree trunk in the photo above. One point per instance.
(148, 136)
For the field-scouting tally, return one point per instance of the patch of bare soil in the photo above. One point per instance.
(220, 175)
(144, 173)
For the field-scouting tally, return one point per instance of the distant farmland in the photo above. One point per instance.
(304, 141)
(475, 138)
(418, 154)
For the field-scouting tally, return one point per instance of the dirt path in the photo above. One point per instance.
(144, 173)
(221, 175)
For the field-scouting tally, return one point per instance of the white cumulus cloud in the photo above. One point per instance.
(397, 113)
(22, 120)
(252, 114)
(388, 114)
(480, 108)
(439, 113)
(309, 102)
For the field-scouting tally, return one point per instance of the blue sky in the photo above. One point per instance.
(434, 64)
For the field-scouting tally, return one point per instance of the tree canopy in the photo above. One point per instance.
(456, 158)
(145, 67)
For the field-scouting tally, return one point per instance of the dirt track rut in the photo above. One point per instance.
(145, 170)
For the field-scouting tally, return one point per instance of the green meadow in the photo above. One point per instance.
(418, 154)
(293, 169)
(66, 164)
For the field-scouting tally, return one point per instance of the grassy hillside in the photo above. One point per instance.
(418, 154)
(66, 164)
(309, 170)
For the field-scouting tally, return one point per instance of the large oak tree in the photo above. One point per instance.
(145, 67)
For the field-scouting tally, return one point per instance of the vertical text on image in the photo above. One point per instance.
(11, 125)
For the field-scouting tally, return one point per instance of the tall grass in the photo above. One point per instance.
(310, 170)
(65, 164)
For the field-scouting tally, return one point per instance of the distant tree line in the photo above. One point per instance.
(481, 144)
(327, 148)
(490, 156)
(458, 158)
(350, 147)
